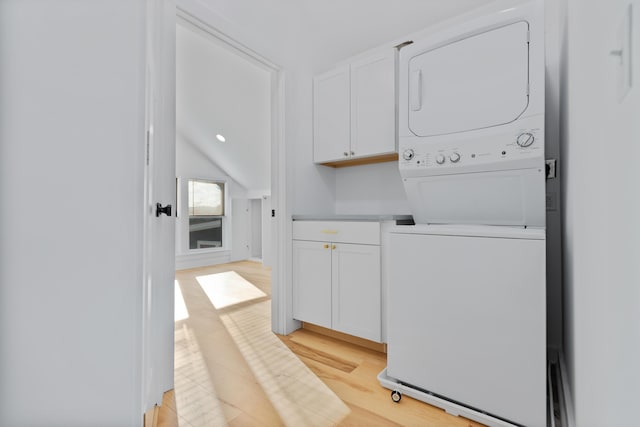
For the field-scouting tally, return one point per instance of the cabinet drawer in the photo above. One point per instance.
(366, 233)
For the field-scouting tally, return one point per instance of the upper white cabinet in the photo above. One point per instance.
(331, 116)
(354, 112)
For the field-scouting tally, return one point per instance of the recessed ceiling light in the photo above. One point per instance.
(220, 138)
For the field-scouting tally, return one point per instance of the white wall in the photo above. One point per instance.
(256, 228)
(602, 236)
(372, 189)
(191, 163)
(241, 229)
(268, 242)
(220, 91)
(71, 200)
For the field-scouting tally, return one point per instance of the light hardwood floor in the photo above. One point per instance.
(232, 371)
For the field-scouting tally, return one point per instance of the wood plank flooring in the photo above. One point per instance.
(220, 382)
(359, 388)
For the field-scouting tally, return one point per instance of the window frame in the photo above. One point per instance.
(223, 217)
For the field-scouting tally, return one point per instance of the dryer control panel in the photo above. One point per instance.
(518, 148)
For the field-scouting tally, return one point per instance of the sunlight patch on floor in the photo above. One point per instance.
(180, 308)
(228, 288)
(196, 400)
(297, 394)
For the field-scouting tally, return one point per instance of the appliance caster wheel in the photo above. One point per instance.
(396, 396)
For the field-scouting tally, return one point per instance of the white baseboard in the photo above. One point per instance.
(202, 260)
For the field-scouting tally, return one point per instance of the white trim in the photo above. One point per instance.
(206, 20)
(567, 407)
(202, 259)
(147, 399)
(208, 29)
(282, 321)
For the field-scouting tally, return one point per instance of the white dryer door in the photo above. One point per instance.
(473, 83)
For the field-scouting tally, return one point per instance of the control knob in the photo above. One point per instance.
(440, 159)
(454, 157)
(408, 154)
(525, 139)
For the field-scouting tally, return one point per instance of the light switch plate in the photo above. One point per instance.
(625, 74)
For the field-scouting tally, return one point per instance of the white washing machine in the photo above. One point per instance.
(466, 317)
(466, 299)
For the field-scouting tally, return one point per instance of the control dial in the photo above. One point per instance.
(525, 139)
(408, 154)
(440, 159)
(454, 157)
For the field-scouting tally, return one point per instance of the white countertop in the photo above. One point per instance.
(363, 217)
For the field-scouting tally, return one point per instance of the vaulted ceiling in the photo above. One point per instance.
(218, 92)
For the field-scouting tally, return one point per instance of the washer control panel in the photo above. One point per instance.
(478, 153)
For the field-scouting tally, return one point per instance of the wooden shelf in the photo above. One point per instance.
(363, 161)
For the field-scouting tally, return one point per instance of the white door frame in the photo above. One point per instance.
(193, 14)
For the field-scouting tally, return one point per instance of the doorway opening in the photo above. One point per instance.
(264, 198)
(229, 103)
(224, 139)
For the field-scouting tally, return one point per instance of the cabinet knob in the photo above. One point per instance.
(346, 154)
(326, 246)
(333, 246)
(353, 153)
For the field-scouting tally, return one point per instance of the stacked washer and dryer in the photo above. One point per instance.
(466, 299)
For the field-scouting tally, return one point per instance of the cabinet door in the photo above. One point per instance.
(331, 122)
(373, 105)
(312, 282)
(356, 290)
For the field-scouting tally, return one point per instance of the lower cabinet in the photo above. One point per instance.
(312, 282)
(336, 284)
(355, 287)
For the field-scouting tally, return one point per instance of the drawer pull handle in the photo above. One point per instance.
(329, 231)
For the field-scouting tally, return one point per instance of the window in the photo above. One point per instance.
(206, 214)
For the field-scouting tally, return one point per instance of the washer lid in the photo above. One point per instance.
(476, 82)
